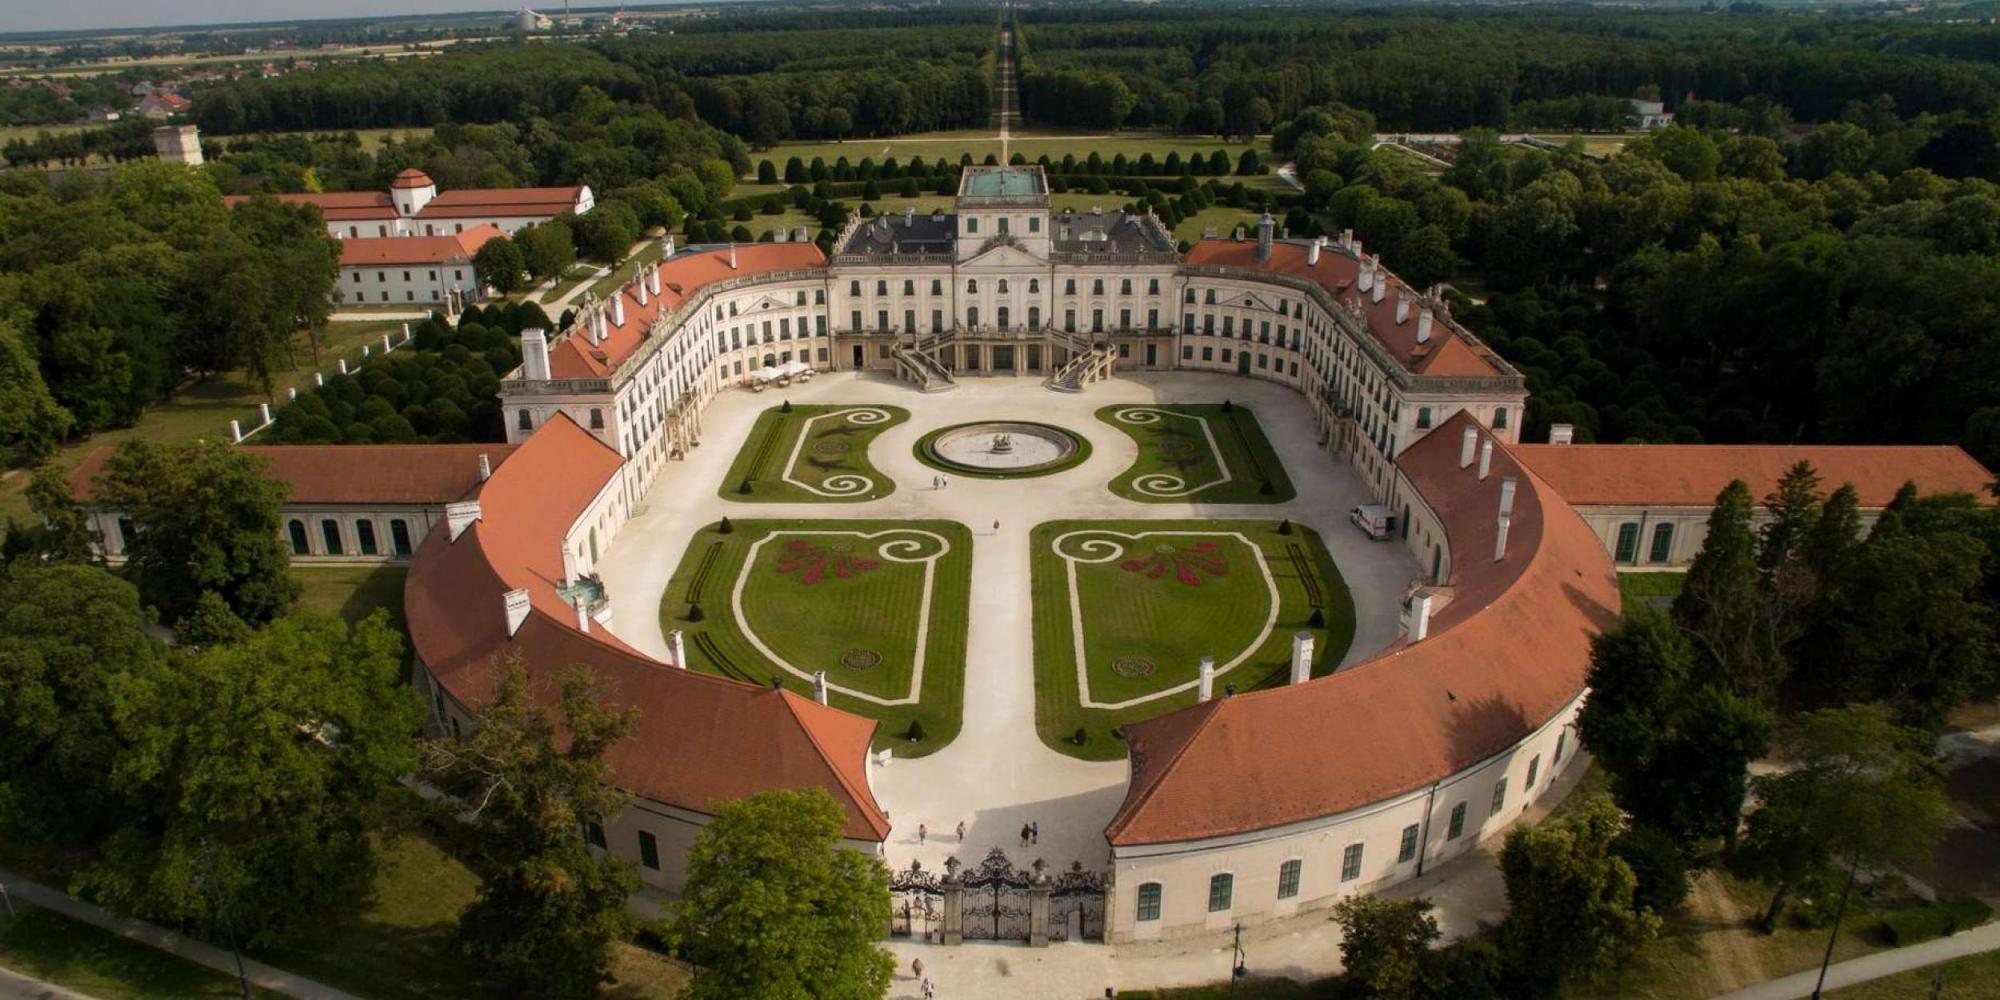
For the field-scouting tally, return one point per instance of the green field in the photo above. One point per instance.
(53, 948)
(1197, 453)
(843, 597)
(829, 464)
(353, 592)
(1153, 605)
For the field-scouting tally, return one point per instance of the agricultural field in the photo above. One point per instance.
(1198, 452)
(812, 454)
(879, 607)
(1124, 612)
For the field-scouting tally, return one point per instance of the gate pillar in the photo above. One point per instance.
(954, 912)
(1038, 913)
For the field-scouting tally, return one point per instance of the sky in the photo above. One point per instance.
(49, 15)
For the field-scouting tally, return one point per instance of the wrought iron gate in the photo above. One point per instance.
(1076, 905)
(996, 900)
(916, 902)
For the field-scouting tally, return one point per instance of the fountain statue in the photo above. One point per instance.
(1003, 443)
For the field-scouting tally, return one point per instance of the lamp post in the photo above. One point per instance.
(1237, 968)
(228, 928)
(1853, 866)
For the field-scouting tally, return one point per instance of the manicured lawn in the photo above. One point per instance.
(1033, 145)
(1153, 605)
(570, 279)
(623, 273)
(1656, 588)
(1197, 453)
(814, 454)
(53, 948)
(353, 592)
(821, 596)
(1975, 977)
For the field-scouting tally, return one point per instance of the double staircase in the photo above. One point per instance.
(921, 368)
(1081, 369)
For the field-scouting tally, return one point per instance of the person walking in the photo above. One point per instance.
(934, 482)
(930, 991)
(996, 525)
(917, 968)
(1025, 832)
(922, 832)
(961, 831)
(1035, 832)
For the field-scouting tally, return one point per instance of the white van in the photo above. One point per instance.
(1373, 519)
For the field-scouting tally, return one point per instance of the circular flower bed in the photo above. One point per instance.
(1071, 447)
(1132, 666)
(860, 658)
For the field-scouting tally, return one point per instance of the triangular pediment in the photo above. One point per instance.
(1002, 256)
(767, 301)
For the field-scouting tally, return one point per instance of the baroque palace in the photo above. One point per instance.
(1391, 764)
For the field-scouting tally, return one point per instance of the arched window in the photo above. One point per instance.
(329, 533)
(1628, 542)
(1034, 317)
(1663, 543)
(1220, 890)
(1500, 419)
(1000, 316)
(1125, 286)
(972, 317)
(1149, 901)
(128, 535)
(1423, 418)
(1288, 878)
(1003, 286)
(364, 532)
(1097, 286)
(1034, 286)
(297, 529)
(854, 288)
(399, 536)
(971, 286)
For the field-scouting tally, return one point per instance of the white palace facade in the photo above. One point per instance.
(1237, 809)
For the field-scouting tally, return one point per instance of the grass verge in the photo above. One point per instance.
(353, 592)
(46, 945)
(848, 605)
(1151, 608)
(830, 464)
(1076, 458)
(1197, 453)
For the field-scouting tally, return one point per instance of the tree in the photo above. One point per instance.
(205, 519)
(32, 423)
(1569, 900)
(547, 248)
(499, 265)
(774, 908)
(1384, 945)
(65, 534)
(252, 774)
(531, 775)
(1858, 790)
(1741, 634)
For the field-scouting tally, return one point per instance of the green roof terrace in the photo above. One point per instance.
(1003, 186)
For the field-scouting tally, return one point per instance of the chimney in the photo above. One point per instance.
(516, 604)
(1347, 239)
(535, 354)
(1467, 446)
(1423, 326)
(1302, 657)
(666, 246)
(582, 616)
(653, 279)
(1312, 252)
(1562, 433)
(459, 516)
(799, 235)
(1485, 457)
(819, 686)
(617, 310)
(1367, 278)
(677, 649)
(1403, 313)
(1381, 284)
(1207, 690)
(909, 216)
(485, 467)
(639, 288)
(1355, 245)
(1500, 539)
(1420, 617)
(1265, 226)
(732, 256)
(1506, 495)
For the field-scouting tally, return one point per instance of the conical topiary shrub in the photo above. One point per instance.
(915, 733)
(724, 527)
(1318, 619)
(694, 613)
(1284, 526)
(743, 487)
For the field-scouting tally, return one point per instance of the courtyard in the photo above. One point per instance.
(922, 598)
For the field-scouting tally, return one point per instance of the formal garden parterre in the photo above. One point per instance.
(812, 454)
(878, 607)
(1197, 453)
(1124, 612)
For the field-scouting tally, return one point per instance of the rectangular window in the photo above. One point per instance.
(1219, 889)
(593, 833)
(1562, 739)
(1034, 223)
(1408, 850)
(649, 851)
(1288, 878)
(1208, 354)
(1350, 863)
(1187, 352)
(1499, 798)
(1457, 822)
(1534, 769)
(1663, 543)
(1149, 901)
(1628, 542)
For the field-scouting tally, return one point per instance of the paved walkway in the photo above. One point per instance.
(1882, 963)
(370, 316)
(15, 986)
(173, 942)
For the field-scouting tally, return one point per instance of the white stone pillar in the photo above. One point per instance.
(819, 686)
(236, 431)
(677, 649)
(386, 348)
(343, 363)
(1207, 679)
(1302, 657)
(265, 409)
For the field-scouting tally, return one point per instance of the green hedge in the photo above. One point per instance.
(1934, 920)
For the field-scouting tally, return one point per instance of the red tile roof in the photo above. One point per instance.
(1505, 655)
(501, 202)
(1447, 352)
(1690, 475)
(411, 177)
(365, 251)
(681, 278)
(337, 206)
(351, 474)
(699, 739)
